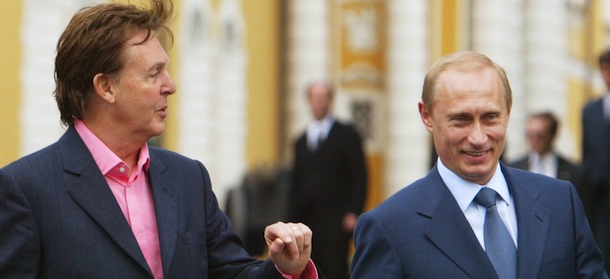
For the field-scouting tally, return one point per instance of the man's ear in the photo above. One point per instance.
(102, 84)
(425, 116)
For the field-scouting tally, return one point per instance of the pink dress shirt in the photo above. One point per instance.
(134, 196)
(132, 192)
(310, 272)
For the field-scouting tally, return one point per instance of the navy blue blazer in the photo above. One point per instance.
(596, 159)
(566, 170)
(59, 219)
(420, 232)
(596, 145)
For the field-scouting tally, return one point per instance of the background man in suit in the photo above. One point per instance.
(101, 203)
(541, 129)
(329, 182)
(596, 158)
(439, 226)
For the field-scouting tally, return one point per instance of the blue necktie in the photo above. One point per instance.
(499, 245)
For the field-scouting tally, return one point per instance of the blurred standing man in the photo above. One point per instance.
(541, 131)
(471, 216)
(330, 181)
(596, 158)
(101, 203)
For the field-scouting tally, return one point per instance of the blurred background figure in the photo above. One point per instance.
(329, 182)
(541, 130)
(596, 158)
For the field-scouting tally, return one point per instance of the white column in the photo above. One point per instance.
(230, 108)
(546, 67)
(308, 59)
(212, 100)
(197, 50)
(497, 31)
(43, 23)
(407, 141)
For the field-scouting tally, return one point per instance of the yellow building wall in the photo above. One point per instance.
(445, 27)
(262, 23)
(345, 61)
(262, 39)
(578, 91)
(450, 26)
(586, 40)
(10, 57)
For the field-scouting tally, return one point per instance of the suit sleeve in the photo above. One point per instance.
(297, 196)
(19, 242)
(358, 172)
(594, 157)
(375, 255)
(227, 256)
(589, 259)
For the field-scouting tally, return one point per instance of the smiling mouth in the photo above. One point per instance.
(476, 154)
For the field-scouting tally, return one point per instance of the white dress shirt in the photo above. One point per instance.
(545, 164)
(317, 130)
(464, 193)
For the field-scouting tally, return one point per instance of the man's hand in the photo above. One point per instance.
(349, 222)
(289, 246)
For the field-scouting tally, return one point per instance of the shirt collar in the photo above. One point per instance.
(547, 158)
(464, 191)
(105, 159)
(321, 126)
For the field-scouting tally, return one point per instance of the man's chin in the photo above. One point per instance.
(157, 130)
(479, 174)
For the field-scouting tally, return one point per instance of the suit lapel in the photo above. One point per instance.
(450, 231)
(533, 224)
(165, 207)
(87, 186)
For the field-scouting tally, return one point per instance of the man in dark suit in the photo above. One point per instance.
(471, 216)
(596, 158)
(541, 131)
(101, 203)
(329, 182)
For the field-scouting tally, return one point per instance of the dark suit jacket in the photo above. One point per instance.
(59, 219)
(566, 170)
(596, 146)
(331, 181)
(596, 160)
(420, 232)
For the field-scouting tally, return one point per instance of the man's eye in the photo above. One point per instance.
(491, 117)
